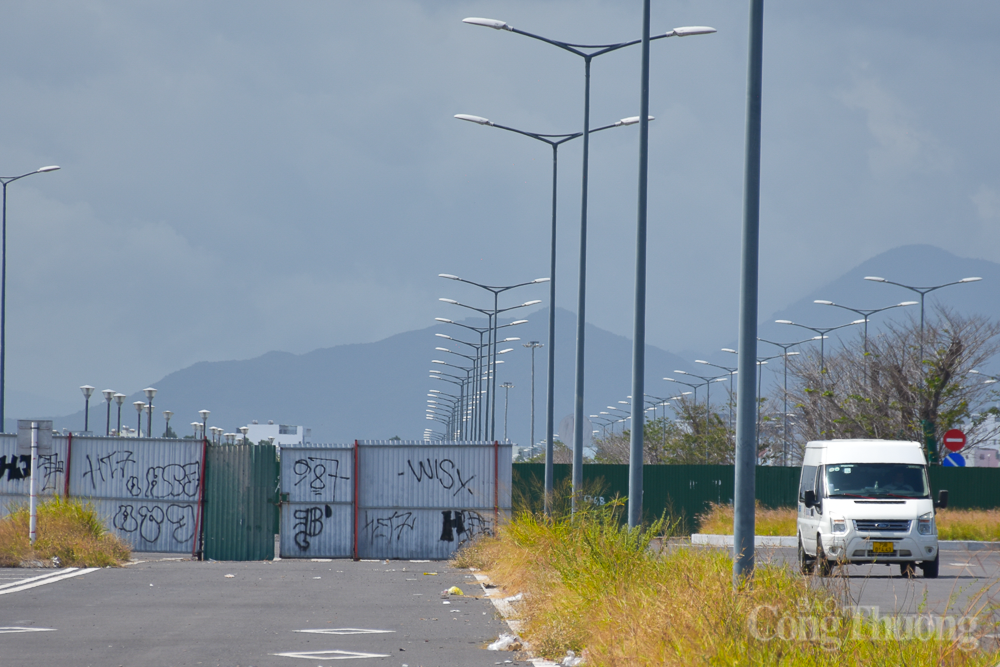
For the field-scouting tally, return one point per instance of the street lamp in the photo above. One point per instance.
(197, 427)
(493, 321)
(865, 314)
(534, 345)
(732, 372)
(553, 140)
(822, 337)
(243, 431)
(922, 291)
(109, 395)
(708, 380)
(506, 386)
(150, 393)
(588, 52)
(119, 399)
(5, 180)
(784, 348)
(139, 405)
(167, 414)
(204, 420)
(87, 391)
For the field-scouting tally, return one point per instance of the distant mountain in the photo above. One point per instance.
(379, 390)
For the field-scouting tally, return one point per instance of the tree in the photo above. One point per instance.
(888, 393)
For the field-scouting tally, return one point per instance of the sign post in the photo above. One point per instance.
(33, 437)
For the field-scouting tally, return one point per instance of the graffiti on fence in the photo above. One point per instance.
(149, 521)
(463, 525)
(443, 471)
(316, 471)
(50, 466)
(174, 480)
(386, 526)
(309, 523)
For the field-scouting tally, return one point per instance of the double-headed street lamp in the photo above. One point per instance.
(784, 349)
(493, 321)
(5, 180)
(865, 313)
(822, 337)
(588, 52)
(732, 373)
(922, 291)
(534, 345)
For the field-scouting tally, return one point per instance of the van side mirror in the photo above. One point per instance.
(942, 500)
(810, 498)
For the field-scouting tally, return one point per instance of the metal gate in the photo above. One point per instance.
(241, 502)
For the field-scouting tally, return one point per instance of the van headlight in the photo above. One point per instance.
(925, 524)
(838, 524)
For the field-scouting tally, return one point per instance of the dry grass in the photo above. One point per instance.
(592, 585)
(718, 520)
(952, 524)
(67, 529)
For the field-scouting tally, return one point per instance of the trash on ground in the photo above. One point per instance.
(455, 590)
(514, 598)
(230, 576)
(571, 660)
(430, 574)
(506, 642)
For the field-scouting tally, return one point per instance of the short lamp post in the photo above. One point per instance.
(87, 392)
(196, 426)
(139, 405)
(150, 393)
(243, 432)
(204, 421)
(109, 395)
(120, 400)
(167, 414)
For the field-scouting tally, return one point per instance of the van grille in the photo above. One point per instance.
(879, 525)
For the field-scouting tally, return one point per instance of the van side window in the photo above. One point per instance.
(820, 479)
(807, 482)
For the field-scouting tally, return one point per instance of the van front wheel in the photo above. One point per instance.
(930, 568)
(805, 562)
(822, 564)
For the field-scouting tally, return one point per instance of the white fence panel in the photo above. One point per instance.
(318, 513)
(15, 472)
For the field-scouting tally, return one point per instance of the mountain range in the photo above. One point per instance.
(378, 390)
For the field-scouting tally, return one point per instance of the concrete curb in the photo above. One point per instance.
(699, 539)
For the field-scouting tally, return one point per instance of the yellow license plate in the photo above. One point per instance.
(883, 547)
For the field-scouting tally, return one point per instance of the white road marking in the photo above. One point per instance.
(48, 580)
(346, 631)
(12, 629)
(331, 655)
(50, 573)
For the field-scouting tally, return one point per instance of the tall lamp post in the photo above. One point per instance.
(120, 399)
(534, 345)
(588, 52)
(922, 291)
(732, 372)
(930, 441)
(822, 331)
(5, 180)
(109, 395)
(87, 392)
(784, 415)
(865, 314)
(150, 393)
(553, 140)
(506, 386)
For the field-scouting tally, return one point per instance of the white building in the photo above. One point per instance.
(283, 434)
(986, 454)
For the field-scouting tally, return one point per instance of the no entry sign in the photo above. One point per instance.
(954, 440)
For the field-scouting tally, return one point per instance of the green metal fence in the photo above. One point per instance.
(684, 491)
(241, 502)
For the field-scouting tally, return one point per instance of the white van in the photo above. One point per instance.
(867, 501)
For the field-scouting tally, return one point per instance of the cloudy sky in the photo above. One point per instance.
(239, 177)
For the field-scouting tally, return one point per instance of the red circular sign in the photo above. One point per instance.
(954, 440)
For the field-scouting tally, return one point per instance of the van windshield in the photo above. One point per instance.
(877, 480)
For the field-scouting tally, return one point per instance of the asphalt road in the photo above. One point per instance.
(968, 581)
(182, 612)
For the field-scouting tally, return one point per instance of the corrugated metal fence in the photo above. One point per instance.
(684, 491)
(391, 499)
(147, 489)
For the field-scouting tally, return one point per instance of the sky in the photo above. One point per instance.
(241, 177)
